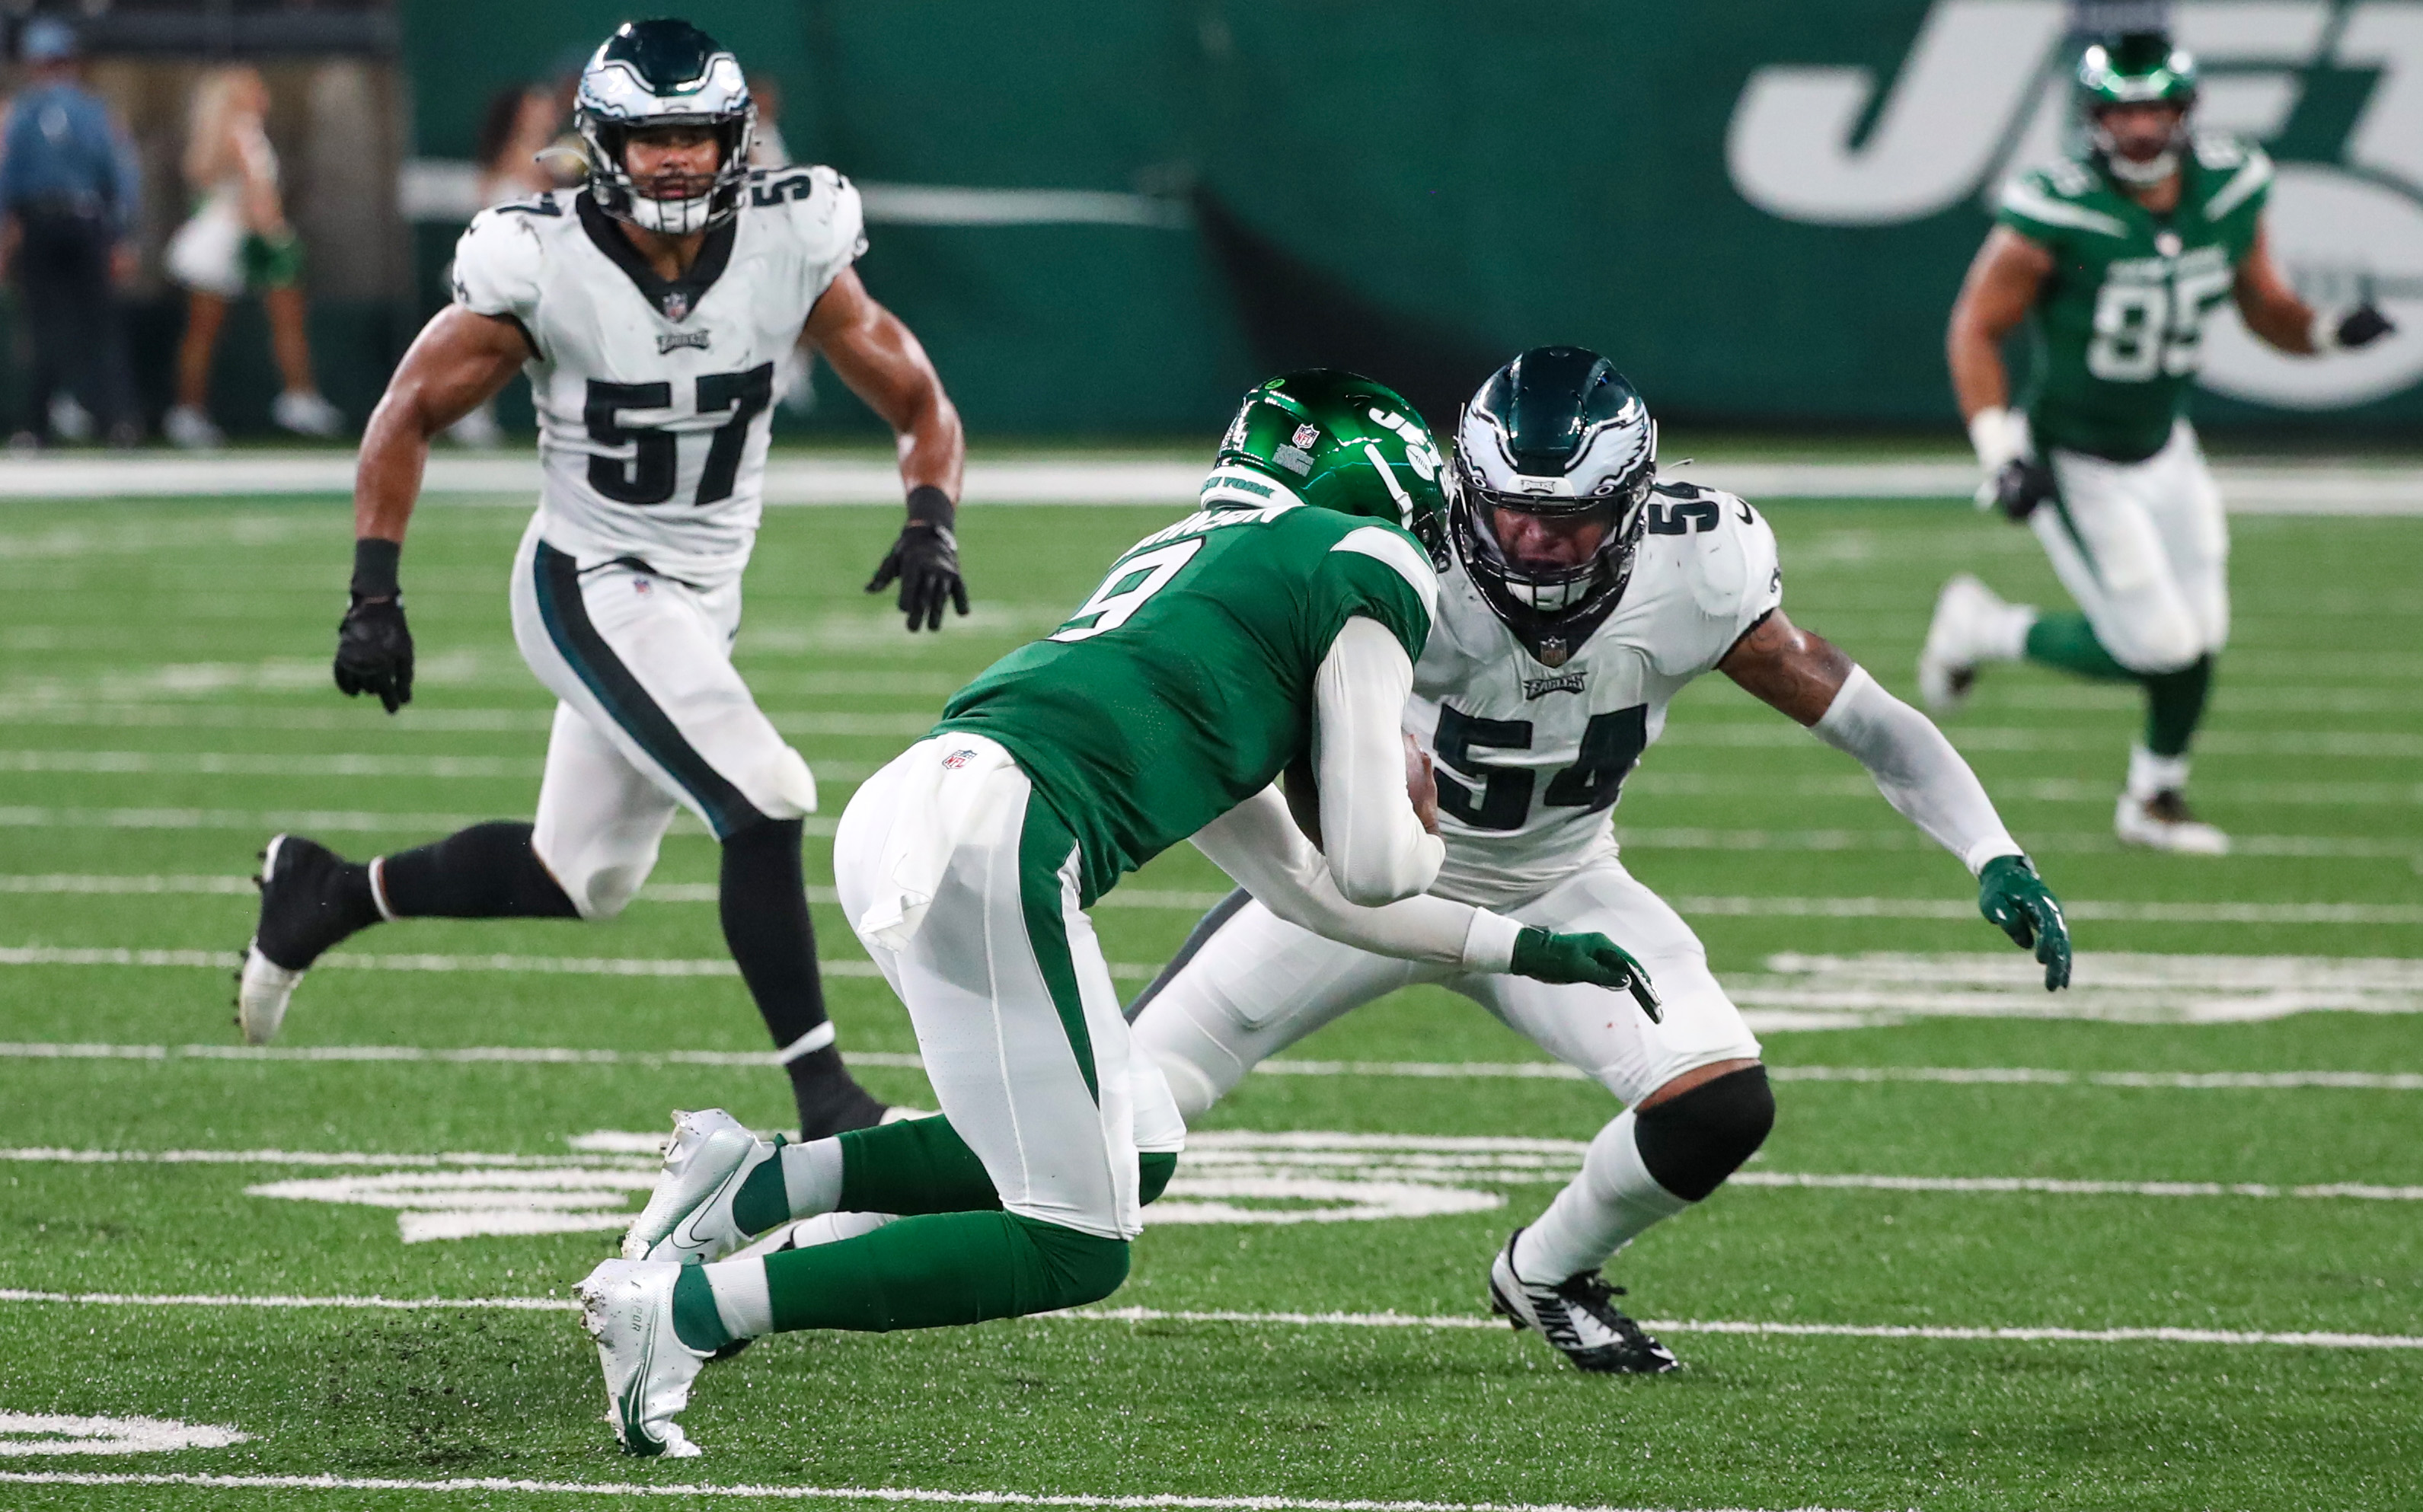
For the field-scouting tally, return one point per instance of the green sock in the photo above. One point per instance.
(939, 1270)
(918, 1165)
(696, 1322)
(761, 1202)
(2175, 705)
(2067, 641)
(1154, 1170)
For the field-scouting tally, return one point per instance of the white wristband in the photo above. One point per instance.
(1998, 435)
(1489, 943)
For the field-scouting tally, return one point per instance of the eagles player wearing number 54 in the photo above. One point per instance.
(2118, 258)
(651, 308)
(1579, 595)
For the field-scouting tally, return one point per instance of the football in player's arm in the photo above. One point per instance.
(1579, 595)
(2116, 259)
(652, 308)
(1282, 618)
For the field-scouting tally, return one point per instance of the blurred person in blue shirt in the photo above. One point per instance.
(68, 197)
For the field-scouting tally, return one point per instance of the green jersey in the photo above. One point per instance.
(1184, 684)
(2119, 323)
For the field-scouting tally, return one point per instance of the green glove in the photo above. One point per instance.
(2016, 901)
(1589, 958)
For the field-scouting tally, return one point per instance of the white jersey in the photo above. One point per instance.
(1531, 758)
(651, 396)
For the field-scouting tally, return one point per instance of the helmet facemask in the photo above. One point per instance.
(654, 76)
(1550, 537)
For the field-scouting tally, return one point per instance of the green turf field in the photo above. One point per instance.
(2195, 1215)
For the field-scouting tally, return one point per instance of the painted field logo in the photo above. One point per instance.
(1303, 1177)
(1984, 92)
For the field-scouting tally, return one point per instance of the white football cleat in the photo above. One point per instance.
(2164, 823)
(689, 1216)
(262, 990)
(1956, 642)
(190, 429)
(628, 1307)
(306, 412)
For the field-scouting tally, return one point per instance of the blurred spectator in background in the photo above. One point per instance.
(238, 240)
(517, 131)
(68, 196)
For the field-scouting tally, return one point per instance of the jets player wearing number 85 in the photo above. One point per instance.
(1581, 597)
(651, 310)
(2120, 257)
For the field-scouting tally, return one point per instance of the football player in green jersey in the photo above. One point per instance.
(2116, 259)
(1273, 631)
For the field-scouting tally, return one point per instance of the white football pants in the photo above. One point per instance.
(650, 716)
(1259, 984)
(2143, 548)
(1017, 1020)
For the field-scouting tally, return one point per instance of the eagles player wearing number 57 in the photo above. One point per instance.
(651, 310)
(2119, 256)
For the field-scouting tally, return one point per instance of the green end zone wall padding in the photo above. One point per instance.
(1424, 188)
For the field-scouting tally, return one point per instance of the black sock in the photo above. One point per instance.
(763, 901)
(486, 872)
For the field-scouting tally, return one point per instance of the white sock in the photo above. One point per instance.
(742, 1300)
(812, 1178)
(1599, 1212)
(2149, 774)
(2004, 637)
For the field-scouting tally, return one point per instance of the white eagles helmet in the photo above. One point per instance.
(1554, 461)
(664, 73)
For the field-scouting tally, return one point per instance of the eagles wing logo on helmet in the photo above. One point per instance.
(1554, 461)
(660, 73)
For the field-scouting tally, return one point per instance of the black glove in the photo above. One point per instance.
(2016, 901)
(2364, 325)
(373, 644)
(926, 560)
(2019, 487)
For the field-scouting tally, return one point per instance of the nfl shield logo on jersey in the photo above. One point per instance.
(957, 760)
(676, 304)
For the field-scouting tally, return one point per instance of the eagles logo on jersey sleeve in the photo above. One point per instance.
(1531, 758)
(653, 394)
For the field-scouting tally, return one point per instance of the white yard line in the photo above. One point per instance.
(1418, 1070)
(272, 821)
(511, 480)
(519, 964)
(1455, 1322)
(483, 1488)
(1556, 1158)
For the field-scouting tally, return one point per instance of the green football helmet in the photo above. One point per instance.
(1335, 441)
(2136, 68)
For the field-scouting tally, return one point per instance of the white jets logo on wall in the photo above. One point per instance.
(1984, 92)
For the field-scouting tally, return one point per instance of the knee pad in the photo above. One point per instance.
(1692, 1143)
(1190, 1086)
(598, 873)
(2157, 644)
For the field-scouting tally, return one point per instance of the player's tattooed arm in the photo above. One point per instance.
(1791, 668)
(2273, 310)
(459, 360)
(881, 361)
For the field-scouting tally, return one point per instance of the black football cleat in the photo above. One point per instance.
(303, 912)
(1579, 1317)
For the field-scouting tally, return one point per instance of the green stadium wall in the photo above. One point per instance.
(1763, 210)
